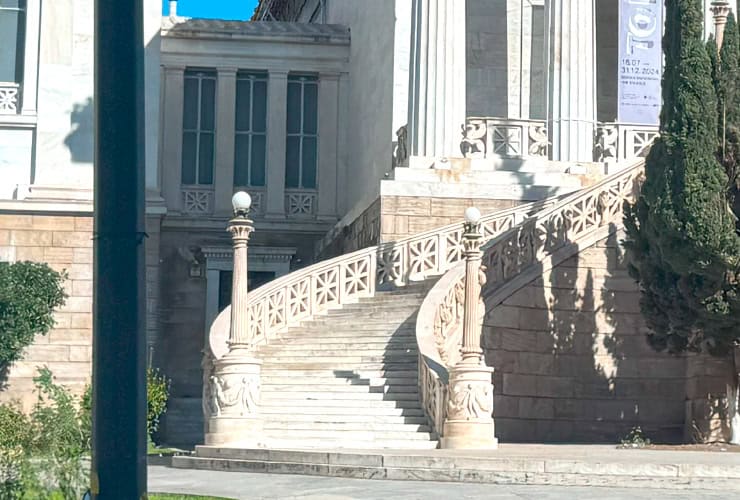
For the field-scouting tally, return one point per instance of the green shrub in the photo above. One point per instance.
(29, 293)
(157, 392)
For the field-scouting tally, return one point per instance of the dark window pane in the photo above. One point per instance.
(294, 108)
(292, 159)
(207, 104)
(189, 143)
(309, 163)
(12, 34)
(241, 160)
(310, 105)
(205, 159)
(243, 105)
(258, 160)
(190, 105)
(260, 106)
(225, 285)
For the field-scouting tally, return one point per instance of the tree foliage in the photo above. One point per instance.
(29, 293)
(681, 238)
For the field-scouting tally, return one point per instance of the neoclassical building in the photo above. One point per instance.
(349, 122)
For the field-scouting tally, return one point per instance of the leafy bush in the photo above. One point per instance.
(157, 392)
(29, 293)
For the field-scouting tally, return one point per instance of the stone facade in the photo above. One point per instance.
(65, 243)
(572, 362)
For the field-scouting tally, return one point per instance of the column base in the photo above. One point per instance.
(232, 401)
(469, 423)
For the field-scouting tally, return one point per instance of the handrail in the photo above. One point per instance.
(303, 294)
(547, 237)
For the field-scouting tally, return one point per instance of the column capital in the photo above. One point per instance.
(227, 71)
(173, 68)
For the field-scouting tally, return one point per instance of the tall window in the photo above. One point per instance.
(301, 147)
(12, 40)
(250, 141)
(198, 127)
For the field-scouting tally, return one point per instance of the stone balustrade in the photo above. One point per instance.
(314, 290)
(512, 259)
(486, 137)
(9, 98)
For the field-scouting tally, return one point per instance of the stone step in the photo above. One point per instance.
(269, 364)
(342, 350)
(343, 388)
(377, 334)
(288, 427)
(346, 436)
(355, 419)
(335, 393)
(342, 358)
(339, 374)
(323, 443)
(395, 308)
(270, 379)
(355, 325)
(378, 409)
(302, 345)
(297, 405)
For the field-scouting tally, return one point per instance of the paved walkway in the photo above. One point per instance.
(240, 485)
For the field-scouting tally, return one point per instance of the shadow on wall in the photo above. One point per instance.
(80, 139)
(572, 363)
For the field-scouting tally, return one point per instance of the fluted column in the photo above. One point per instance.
(240, 227)
(571, 110)
(469, 419)
(437, 78)
(231, 392)
(720, 10)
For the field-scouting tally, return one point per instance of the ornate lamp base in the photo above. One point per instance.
(469, 422)
(232, 402)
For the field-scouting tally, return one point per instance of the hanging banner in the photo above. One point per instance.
(640, 61)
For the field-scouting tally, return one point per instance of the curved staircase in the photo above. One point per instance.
(348, 379)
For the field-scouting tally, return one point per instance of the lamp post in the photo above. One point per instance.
(232, 392)
(469, 420)
(720, 11)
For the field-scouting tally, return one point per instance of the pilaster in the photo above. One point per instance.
(328, 128)
(225, 126)
(571, 110)
(172, 109)
(437, 78)
(277, 112)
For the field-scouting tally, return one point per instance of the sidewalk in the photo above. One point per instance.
(511, 464)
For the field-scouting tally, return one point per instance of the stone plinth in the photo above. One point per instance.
(469, 423)
(232, 401)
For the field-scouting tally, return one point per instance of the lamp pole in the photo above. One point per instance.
(469, 420)
(232, 391)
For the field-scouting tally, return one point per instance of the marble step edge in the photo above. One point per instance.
(368, 465)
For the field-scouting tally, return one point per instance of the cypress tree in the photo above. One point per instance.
(681, 237)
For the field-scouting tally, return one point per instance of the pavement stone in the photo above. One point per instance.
(255, 486)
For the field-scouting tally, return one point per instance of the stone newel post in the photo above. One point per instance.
(232, 395)
(469, 422)
(720, 11)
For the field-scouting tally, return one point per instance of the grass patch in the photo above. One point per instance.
(174, 496)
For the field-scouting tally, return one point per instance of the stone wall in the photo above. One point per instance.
(403, 216)
(571, 359)
(707, 381)
(65, 243)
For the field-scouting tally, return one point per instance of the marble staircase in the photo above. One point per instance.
(348, 379)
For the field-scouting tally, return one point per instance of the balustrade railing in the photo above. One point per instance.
(312, 291)
(511, 259)
(485, 137)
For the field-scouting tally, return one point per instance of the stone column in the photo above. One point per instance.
(172, 109)
(571, 109)
(231, 394)
(437, 79)
(223, 178)
(277, 112)
(469, 421)
(328, 129)
(720, 10)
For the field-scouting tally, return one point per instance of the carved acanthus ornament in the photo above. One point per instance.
(473, 144)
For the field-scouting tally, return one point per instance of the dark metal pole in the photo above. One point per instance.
(119, 381)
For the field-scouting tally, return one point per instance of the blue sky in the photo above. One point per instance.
(213, 9)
